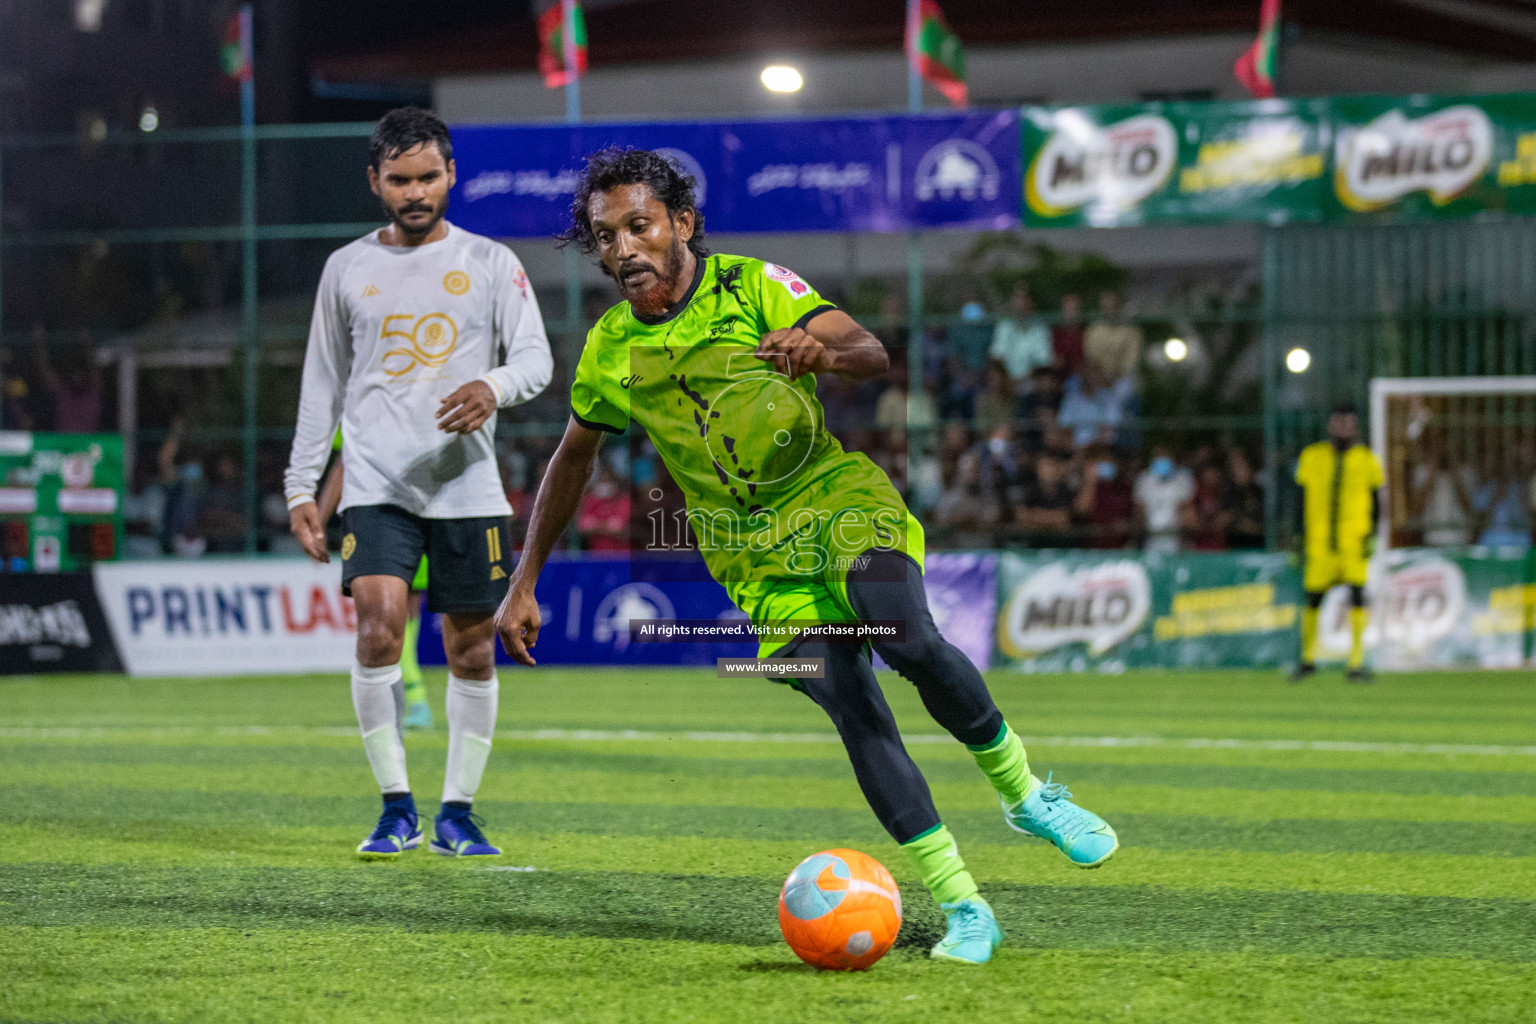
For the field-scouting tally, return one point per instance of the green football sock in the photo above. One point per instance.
(937, 859)
(410, 670)
(1005, 765)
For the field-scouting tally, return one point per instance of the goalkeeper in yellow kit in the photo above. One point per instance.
(1340, 479)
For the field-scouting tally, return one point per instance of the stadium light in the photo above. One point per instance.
(149, 120)
(1297, 360)
(781, 78)
(1176, 350)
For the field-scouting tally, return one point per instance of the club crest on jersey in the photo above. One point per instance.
(791, 281)
(456, 282)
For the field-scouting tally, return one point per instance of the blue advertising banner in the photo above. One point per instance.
(834, 174)
(588, 601)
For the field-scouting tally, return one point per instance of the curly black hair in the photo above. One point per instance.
(406, 128)
(614, 167)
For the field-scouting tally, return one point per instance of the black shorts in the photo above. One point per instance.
(467, 559)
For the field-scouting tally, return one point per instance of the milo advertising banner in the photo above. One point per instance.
(1278, 161)
(61, 500)
(1114, 166)
(1427, 157)
(1439, 609)
(1106, 612)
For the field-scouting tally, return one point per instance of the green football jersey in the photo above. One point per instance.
(779, 510)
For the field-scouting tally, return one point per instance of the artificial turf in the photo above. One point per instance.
(182, 850)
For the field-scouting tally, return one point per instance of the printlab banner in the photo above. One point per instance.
(226, 617)
(587, 605)
(1279, 161)
(53, 623)
(843, 174)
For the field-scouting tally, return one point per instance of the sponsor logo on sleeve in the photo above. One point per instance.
(791, 281)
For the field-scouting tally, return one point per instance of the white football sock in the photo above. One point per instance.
(378, 696)
(471, 724)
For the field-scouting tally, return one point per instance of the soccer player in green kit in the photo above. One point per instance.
(715, 357)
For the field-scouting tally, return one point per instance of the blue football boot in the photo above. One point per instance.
(456, 833)
(418, 715)
(395, 833)
(973, 932)
(1048, 812)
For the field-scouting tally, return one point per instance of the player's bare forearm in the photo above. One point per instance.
(330, 491)
(830, 343)
(556, 502)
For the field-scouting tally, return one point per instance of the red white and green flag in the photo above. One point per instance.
(1256, 67)
(235, 46)
(935, 52)
(553, 49)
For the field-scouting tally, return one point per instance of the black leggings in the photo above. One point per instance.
(890, 586)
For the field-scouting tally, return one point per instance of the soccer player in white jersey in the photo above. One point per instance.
(421, 332)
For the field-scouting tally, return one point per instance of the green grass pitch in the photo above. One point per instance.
(182, 850)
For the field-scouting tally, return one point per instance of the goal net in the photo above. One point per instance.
(1459, 455)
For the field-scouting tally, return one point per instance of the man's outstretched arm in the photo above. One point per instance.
(832, 342)
(518, 620)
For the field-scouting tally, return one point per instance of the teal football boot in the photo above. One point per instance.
(1049, 813)
(973, 932)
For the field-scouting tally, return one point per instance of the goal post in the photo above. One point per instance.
(1459, 454)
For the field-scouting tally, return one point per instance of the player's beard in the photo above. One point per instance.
(655, 299)
(396, 216)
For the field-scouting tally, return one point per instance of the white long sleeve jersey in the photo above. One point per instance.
(395, 331)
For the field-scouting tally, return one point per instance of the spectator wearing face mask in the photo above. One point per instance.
(1105, 503)
(1164, 492)
(970, 339)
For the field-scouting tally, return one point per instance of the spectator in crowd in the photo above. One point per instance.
(221, 510)
(967, 509)
(1105, 504)
(1067, 336)
(1021, 339)
(1095, 407)
(1245, 501)
(1164, 491)
(1044, 509)
(997, 404)
(1040, 404)
(75, 391)
(895, 412)
(1502, 509)
(182, 479)
(1210, 511)
(998, 465)
(144, 512)
(1442, 492)
(602, 518)
(1110, 343)
(969, 340)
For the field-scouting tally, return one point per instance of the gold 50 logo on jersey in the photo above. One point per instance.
(428, 341)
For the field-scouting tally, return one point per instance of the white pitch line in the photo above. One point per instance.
(648, 736)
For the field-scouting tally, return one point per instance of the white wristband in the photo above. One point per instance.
(299, 499)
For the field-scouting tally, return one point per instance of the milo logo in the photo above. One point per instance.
(1098, 605)
(1441, 154)
(1111, 167)
(1416, 602)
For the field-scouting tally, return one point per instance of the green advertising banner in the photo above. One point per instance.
(1433, 609)
(61, 500)
(1082, 611)
(1108, 612)
(1278, 161)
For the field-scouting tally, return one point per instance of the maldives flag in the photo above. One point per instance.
(552, 44)
(1256, 67)
(235, 46)
(934, 51)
